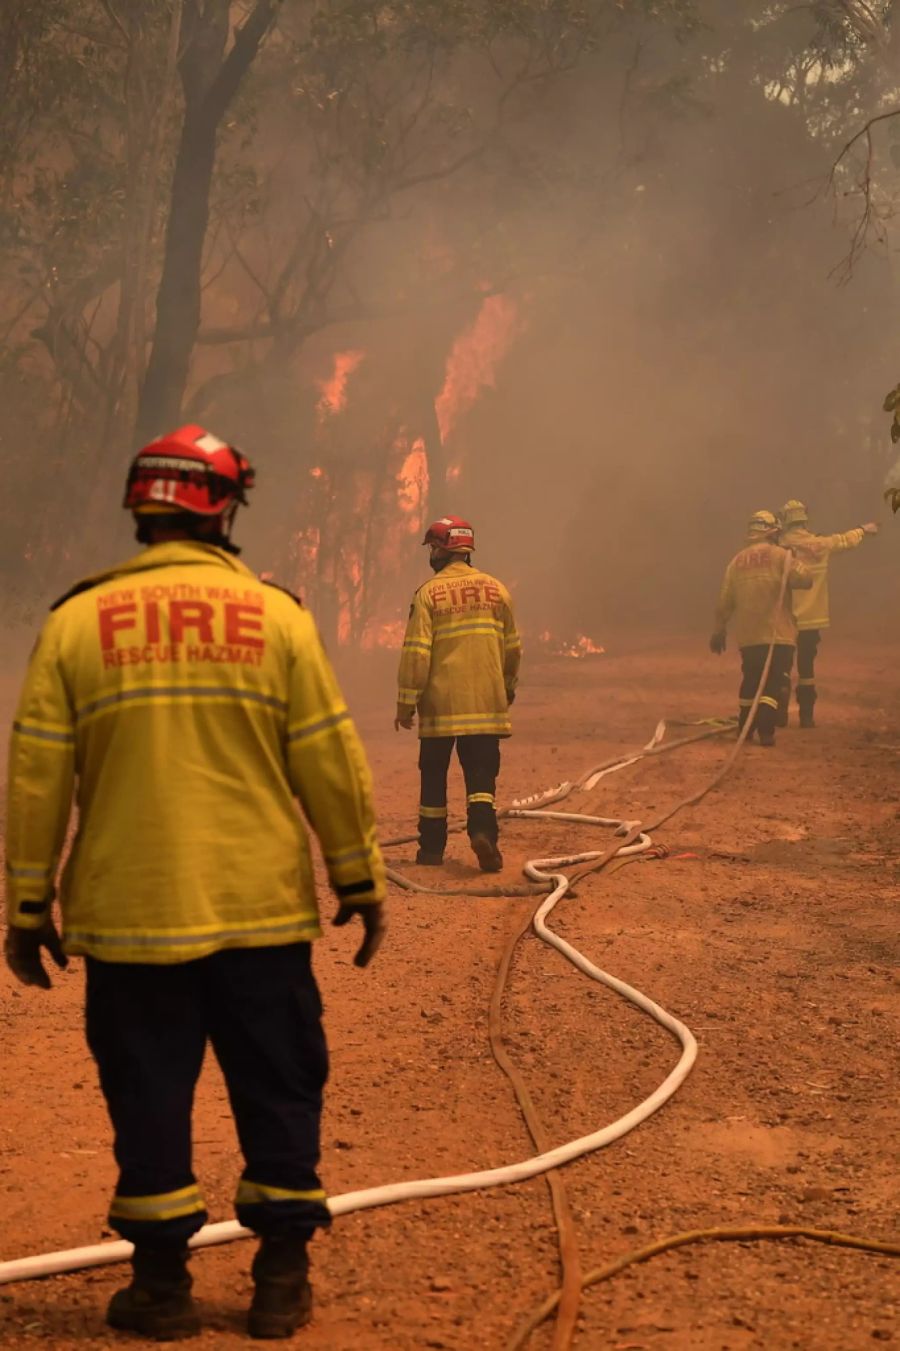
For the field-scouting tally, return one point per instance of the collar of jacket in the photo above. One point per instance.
(175, 553)
(455, 569)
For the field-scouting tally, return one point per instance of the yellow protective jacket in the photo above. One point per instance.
(461, 654)
(811, 608)
(750, 592)
(191, 704)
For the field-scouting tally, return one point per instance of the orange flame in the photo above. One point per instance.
(583, 646)
(412, 485)
(389, 634)
(473, 360)
(333, 391)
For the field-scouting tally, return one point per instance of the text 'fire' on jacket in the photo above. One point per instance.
(461, 655)
(193, 705)
(750, 595)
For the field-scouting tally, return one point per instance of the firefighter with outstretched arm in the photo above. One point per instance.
(811, 607)
(458, 670)
(190, 706)
(756, 599)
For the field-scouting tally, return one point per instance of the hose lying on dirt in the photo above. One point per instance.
(742, 1234)
(541, 870)
(100, 1254)
(537, 870)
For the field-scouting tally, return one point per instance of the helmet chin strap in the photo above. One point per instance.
(224, 539)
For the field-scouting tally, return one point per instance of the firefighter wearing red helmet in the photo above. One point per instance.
(458, 669)
(193, 705)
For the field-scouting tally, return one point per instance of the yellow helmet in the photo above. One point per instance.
(762, 523)
(794, 512)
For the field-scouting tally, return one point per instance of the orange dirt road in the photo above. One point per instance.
(772, 930)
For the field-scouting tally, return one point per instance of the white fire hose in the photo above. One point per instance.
(549, 871)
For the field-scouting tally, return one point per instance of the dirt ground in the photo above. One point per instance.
(771, 930)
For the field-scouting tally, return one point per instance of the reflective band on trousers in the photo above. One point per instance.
(154, 1209)
(257, 1193)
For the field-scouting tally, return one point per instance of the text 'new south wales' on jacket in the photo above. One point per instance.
(461, 655)
(193, 705)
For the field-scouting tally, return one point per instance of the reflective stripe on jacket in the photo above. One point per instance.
(750, 591)
(193, 704)
(461, 654)
(811, 608)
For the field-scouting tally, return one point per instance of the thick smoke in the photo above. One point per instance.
(616, 330)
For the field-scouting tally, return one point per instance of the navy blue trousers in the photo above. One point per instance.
(148, 1027)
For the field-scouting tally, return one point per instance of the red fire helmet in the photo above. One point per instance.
(187, 470)
(451, 533)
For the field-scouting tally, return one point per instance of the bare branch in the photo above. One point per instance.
(858, 136)
(868, 219)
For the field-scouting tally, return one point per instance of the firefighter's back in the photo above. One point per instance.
(756, 574)
(178, 675)
(471, 621)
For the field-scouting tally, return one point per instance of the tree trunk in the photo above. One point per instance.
(210, 80)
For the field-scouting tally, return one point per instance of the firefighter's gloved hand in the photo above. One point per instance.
(405, 718)
(23, 953)
(717, 643)
(372, 916)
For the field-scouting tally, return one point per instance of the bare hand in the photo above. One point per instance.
(871, 528)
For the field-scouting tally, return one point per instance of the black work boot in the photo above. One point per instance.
(784, 703)
(157, 1304)
(282, 1299)
(426, 859)
(743, 714)
(806, 699)
(490, 860)
(765, 724)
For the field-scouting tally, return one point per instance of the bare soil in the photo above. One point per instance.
(771, 929)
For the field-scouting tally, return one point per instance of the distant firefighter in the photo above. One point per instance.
(811, 608)
(190, 706)
(751, 598)
(458, 670)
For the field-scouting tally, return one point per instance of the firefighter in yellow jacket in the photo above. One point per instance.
(811, 608)
(459, 669)
(752, 600)
(189, 705)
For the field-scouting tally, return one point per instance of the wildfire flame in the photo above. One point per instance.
(412, 485)
(333, 391)
(356, 538)
(473, 360)
(581, 647)
(387, 635)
